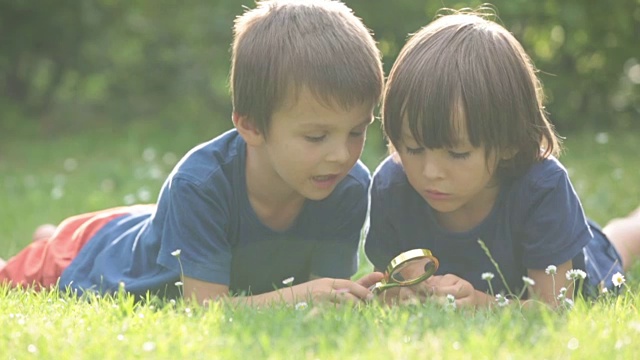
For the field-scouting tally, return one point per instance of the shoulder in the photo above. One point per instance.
(353, 187)
(543, 175)
(358, 179)
(545, 186)
(220, 157)
(359, 175)
(210, 173)
(389, 175)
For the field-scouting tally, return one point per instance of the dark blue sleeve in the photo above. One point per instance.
(555, 227)
(193, 221)
(336, 255)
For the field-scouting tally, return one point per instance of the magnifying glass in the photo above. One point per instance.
(408, 268)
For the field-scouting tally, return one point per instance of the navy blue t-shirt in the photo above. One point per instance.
(536, 221)
(203, 210)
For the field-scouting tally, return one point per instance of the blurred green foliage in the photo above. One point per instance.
(103, 63)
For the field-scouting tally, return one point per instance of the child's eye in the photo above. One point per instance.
(356, 134)
(459, 155)
(414, 151)
(315, 138)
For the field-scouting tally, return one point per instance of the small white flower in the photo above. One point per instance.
(575, 274)
(288, 280)
(563, 290)
(528, 281)
(179, 283)
(501, 300)
(618, 279)
(176, 253)
(551, 270)
(568, 303)
(487, 276)
(604, 290)
(301, 305)
(451, 298)
(450, 304)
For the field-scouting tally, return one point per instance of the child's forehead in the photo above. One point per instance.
(299, 101)
(455, 127)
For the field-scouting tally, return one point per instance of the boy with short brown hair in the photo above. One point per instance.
(281, 196)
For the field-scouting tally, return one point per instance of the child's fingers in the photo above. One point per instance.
(370, 279)
(343, 296)
(442, 291)
(347, 287)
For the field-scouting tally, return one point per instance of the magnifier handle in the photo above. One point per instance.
(380, 287)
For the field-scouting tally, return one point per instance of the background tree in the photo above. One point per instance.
(76, 65)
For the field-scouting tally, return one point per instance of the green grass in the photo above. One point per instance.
(48, 179)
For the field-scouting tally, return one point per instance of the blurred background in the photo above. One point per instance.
(99, 98)
(70, 66)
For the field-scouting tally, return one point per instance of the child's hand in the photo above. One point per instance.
(337, 291)
(370, 279)
(465, 294)
(403, 295)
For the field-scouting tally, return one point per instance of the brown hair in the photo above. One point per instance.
(281, 46)
(464, 64)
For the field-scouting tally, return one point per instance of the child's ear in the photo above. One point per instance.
(247, 129)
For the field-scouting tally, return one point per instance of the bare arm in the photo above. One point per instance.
(317, 289)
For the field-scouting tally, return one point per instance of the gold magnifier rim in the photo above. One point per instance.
(409, 255)
(398, 261)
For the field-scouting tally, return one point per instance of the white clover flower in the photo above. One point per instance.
(575, 274)
(487, 276)
(563, 290)
(176, 253)
(528, 281)
(501, 300)
(301, 305)
(551, 270)
(178, 283)
(618, 279)
(568, 303)
(288, 280)
(450, 304)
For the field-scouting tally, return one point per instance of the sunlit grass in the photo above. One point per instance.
(46, 180)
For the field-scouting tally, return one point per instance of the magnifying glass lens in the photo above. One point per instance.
(430, 267)
(413, 271)
(408, 268)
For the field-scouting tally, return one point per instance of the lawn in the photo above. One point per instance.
(47, 178)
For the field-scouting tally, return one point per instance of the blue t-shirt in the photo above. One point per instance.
(536, 221)
(203, 211)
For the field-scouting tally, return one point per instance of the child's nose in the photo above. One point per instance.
(339, 153)
(431, 169)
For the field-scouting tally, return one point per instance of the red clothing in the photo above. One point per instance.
(42, 262)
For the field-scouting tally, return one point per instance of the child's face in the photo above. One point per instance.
(312, 147)
(459, 182)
